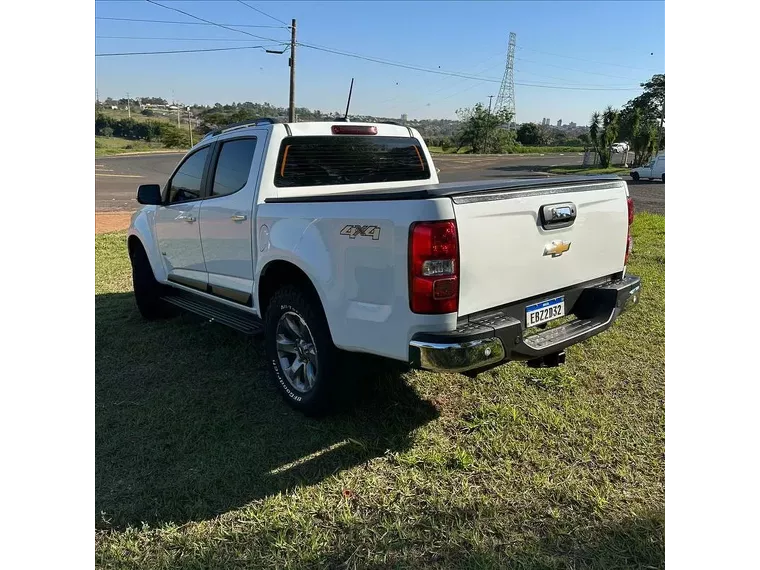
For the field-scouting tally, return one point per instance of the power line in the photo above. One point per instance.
(587, 60)
(179, 39)
(459, 74)
(521, 71)
(210, 22)
(572, 69)
(177, 51)
(262, 12)
(450, 85)
(397, 64)
(183, 23)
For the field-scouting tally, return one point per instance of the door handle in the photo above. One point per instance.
(188, 219)
(238, 217)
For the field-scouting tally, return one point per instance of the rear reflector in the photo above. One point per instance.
(629, 239)
(354, 130)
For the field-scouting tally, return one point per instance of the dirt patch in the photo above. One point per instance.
(111, 221)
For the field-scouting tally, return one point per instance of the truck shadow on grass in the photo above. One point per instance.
(188, 424)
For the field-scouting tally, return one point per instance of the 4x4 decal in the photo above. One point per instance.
(353, 231)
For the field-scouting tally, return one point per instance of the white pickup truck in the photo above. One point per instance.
(331, 237)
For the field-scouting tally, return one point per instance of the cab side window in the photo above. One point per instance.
(233, 166)
(185, 185)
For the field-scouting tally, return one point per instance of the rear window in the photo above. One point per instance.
(349, 159)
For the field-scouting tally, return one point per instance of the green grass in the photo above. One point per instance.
(588, 170)
(450, 150)
(199, 464)
(519, 150)
(162, 117)
(547, 149)
(107, 146)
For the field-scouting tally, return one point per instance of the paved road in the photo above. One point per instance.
(117, 177)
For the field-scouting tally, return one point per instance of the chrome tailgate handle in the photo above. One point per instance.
(555, 216)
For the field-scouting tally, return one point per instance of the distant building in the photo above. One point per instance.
(404, 117)
(573, 125)
(559, 122)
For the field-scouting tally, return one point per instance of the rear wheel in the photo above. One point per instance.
(663, 178)
(148, 291)
(635, 176)
(300, 353)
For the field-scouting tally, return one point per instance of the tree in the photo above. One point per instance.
(172, 137)
(529, 134)
(603, 130)
(482, 131)
(643, 139)
(147, 112)
(651, 105)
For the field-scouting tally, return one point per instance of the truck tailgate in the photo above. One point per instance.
(509, 253)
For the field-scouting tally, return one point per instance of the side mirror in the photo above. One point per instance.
(149, 194)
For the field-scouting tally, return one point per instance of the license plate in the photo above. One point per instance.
(544, 311)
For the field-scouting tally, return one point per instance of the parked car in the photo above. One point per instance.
(338, 237)
(619, 147)
(654, 170)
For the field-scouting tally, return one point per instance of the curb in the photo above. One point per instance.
(140, 153)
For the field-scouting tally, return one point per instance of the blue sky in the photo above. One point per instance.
(568, 44)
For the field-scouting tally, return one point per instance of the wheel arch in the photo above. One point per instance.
(279, 272)
(141, 233)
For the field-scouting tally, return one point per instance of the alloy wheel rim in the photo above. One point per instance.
(296, 352)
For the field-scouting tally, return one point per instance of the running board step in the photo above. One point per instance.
(217, 312)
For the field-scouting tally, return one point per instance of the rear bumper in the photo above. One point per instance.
(497, 336)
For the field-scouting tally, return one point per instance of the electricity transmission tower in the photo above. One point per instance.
(506, 98)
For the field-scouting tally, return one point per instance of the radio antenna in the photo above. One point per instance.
(348, 104)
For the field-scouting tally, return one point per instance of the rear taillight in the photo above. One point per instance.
(434, 267)
(629, 239)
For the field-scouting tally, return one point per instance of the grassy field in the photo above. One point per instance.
(199, 464)
(158, 116)
(107, 146)
(588, 170)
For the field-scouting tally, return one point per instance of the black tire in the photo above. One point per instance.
(148, 291)
(663, 178)
(323, 395)
(635, 176)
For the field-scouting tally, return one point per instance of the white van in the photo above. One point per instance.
(654, 170)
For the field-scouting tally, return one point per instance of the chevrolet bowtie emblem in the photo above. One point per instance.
(557, 248)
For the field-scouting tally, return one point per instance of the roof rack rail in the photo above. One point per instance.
(242, 124)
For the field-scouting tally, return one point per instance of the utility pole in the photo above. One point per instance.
(488, 122)
(292, 110)
(178, 106)
(662, 121)
(190, 127)
(129, 111)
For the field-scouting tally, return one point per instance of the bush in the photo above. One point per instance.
(147, 112)
(172, 137)
(107, 132)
